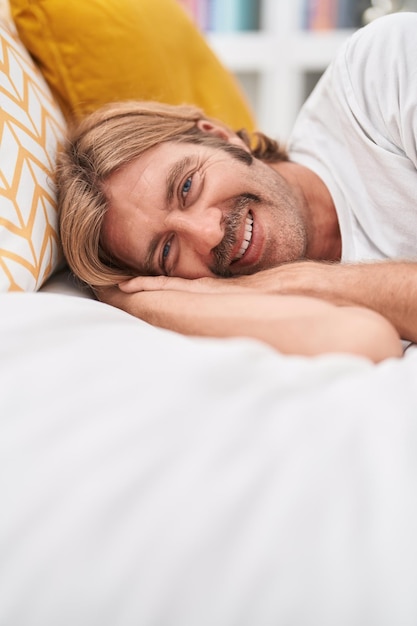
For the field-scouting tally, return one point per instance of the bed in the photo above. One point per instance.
(150, 479)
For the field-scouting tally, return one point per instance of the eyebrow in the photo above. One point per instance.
(175, 172)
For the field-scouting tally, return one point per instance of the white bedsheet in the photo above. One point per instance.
(149, 479)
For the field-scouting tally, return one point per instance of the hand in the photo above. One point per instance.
(196, 285)
(387, 287)
(300, 278)
(291, 324)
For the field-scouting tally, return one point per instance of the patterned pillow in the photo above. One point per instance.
(31, 126)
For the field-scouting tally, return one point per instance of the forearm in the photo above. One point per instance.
(386, 287)
(389, 288)
(292, 325)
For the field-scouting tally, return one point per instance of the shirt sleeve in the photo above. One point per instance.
(378, 72)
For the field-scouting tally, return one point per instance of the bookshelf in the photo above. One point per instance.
(279, 63)
(281, 59)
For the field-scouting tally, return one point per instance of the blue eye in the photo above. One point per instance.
(186, 186)
(165, 250)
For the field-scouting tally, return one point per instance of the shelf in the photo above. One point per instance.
(255, 51)
(243, 52)
(275, 63)
(314, 51)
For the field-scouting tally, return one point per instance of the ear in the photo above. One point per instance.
(223, 132)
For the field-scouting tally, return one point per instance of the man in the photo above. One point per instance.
(195, 202)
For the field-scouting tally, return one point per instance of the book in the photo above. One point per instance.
(233, 15)
(224, 15)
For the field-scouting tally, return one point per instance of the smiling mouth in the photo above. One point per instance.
(247, 238)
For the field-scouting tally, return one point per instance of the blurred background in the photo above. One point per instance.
(278, 49)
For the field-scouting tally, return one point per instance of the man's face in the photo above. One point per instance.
(192, 210)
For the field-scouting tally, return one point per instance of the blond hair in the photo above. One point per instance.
(99, 145)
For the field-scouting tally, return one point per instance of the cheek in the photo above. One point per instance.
(118, 235)
(192, 268)
(229, 178)
(112, 235)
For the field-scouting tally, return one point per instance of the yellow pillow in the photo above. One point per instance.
(96, 51)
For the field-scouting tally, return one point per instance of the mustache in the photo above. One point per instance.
(222, 253)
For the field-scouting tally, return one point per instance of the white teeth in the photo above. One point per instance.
(246, 238)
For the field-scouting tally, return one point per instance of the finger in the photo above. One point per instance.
(141, 283)
(155, 283)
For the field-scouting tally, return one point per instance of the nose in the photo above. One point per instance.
(202, 229)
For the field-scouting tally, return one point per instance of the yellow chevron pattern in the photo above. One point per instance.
(31, 127)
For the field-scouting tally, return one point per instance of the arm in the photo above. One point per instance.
(387, 287)
(292, 325)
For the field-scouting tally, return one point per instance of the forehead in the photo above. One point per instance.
(146, 173)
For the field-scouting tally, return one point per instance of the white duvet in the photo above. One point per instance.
(149, 479)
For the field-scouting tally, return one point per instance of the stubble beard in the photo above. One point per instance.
(286, 243)
(222, 253)
(287, 238)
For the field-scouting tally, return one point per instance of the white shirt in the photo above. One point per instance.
(358, 130)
